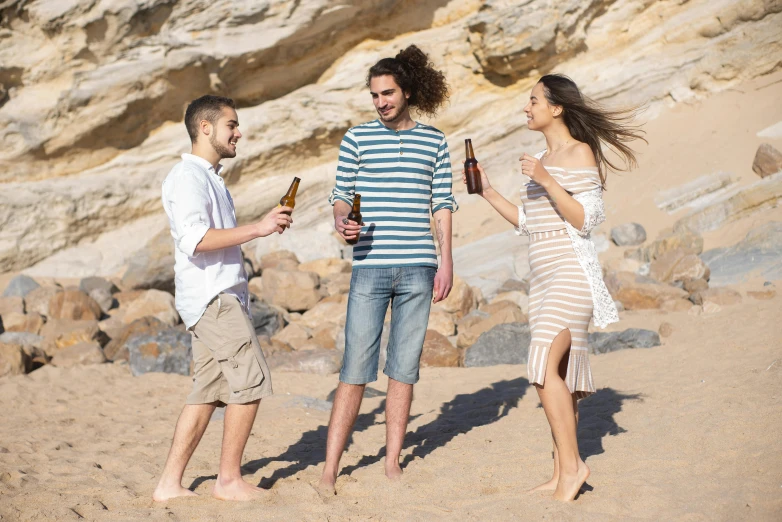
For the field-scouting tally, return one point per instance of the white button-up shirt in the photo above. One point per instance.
(196, 199)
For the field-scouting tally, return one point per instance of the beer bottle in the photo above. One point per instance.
(355, 215)
(471, 169)
(289, 199)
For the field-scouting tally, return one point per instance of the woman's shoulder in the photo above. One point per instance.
(580, 155)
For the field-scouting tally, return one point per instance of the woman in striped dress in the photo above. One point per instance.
(562, 203)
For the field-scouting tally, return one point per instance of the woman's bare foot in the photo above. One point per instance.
(163, 493)
(325, 488)
(237, 490)
(550, 485)
(570, 484)
(393, 471)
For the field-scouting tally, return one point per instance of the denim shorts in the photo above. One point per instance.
(409, 290)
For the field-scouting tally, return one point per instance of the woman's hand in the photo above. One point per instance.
(485, 185)
(534, 169)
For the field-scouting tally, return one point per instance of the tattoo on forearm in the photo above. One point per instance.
(440, 234)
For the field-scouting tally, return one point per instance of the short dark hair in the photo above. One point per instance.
(207, 107)
(415, 75)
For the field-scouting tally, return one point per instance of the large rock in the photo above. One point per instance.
(461, 300)
(438, 351)
(328, 266)
(294, 335)
(520, 299)
(637, 292)
(308, 244)
(628, 234)
(104, 299)
(718, 296)
(88, 284)
(61, 333)
(325, 335)
(321, 362)
(11, 305)
(153, 303)
(73, 304)
(167, 351)
(31, 344)
(681, 238)
(604, 342)
(38, 300)
(31, 323)
(13, 360)
(152, 267)
(759, 254)
(768, 160)
(87, 352)
(335, 284)
(488, 262)
(281, 260)
(117, 348)
(20, 286)
(441, 323)
(693, 193)
(267, 320)
(325, 312)
(677, 265)
(502, 313)
(293, 290)
(503, 344)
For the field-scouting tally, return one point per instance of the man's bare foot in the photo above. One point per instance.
(551, 485)
(393, 472)
(237, 490)
(325, 488)
(163, 493)
(570, 484)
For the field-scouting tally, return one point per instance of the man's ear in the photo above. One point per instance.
(407, 95)
(206, 127)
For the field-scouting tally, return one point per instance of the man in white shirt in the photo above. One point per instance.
(212, 299)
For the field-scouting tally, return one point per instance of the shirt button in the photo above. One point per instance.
(401, 153)
(401, 142)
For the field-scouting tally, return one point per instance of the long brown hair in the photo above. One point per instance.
(416, 75)
(590, 123)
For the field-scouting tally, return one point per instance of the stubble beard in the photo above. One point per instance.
(392, 118)
(221, 149)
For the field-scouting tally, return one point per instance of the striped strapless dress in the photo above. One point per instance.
(560, 296)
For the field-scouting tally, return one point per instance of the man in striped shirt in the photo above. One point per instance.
(402, 171)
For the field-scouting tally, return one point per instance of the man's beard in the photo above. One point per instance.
(399, 112)
(221, 149)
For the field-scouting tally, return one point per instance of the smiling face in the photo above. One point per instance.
(224, 133)
(540, 114)
(389, 99)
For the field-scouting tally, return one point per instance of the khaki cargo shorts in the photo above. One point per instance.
(228, 364)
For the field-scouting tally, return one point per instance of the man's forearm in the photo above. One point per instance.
(341, 208)
(443, 225)
(219, 238)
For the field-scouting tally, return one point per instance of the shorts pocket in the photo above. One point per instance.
(239, 364)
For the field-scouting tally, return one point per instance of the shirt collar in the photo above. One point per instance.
(198, 160)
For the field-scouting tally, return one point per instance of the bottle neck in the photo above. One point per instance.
(356, 203)
(293, 188)
(468, 149)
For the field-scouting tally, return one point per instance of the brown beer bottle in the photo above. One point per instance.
(355, 215)
(471, 169)
(289, 199)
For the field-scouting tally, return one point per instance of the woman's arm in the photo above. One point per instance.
(505, 208)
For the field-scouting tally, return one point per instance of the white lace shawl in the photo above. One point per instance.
(604, 310)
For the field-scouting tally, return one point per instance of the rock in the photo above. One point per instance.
(628, 234)
(281, 260)
(438, 351)
(255, 285)
(461, 300)
(11, 305)
(514, 285)
(488, 262)
(308, 243)
(694, 193)
(86, 352)
(321, 362)
(690, 267)
(15, 322)
(104, 299)
(153, 303)
(762, 295)
(293, 290)
(167, 351)
(624, 264)
(695, 285)
(502, 313)
(619, 306)
(31, 344)
(768, 160)
(38, 300)
(327, 266)
(441, 323)
(61, 333)
(335, 284)
(638, 292)
(503, 344)
(710, 307)
(117, 350)
(325, 312)
(718, 296)
(676, 305)
(294, 335)
(734, 205)
(759, 254)
(604, 342)
(152, 267)
(267, 320)
(682, 238)
(677, 265)
(772, 131)
(75, 305)
(126, 297)
(325, 335)
(13, 360)
(665, 329)
(20, 286)
(520, 299)
(88, 284)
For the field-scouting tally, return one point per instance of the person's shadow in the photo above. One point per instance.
(596, 419)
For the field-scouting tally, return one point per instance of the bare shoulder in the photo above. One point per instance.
(579, 155)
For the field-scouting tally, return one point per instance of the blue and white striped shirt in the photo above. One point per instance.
(401, 176)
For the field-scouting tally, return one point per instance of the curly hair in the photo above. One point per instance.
(592, 124)
(415, 74)
(207, 107)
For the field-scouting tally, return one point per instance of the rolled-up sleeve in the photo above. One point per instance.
(347, 170)
(189, 202)
(521, 228)
(442, 196)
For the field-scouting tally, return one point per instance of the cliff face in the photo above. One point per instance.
(92, 93)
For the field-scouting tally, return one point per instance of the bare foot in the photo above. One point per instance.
(237, 490)
(163, 493)
(394, 472)
(570, 484)
(325, 488)
(551, 485)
